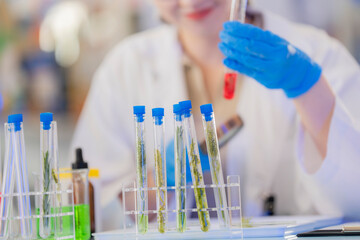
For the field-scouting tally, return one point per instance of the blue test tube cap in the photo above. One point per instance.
(186, 107)
(139, 111)
(207, 111)
(16, 119)
(177, 109)
(46, 119)
(158, 114)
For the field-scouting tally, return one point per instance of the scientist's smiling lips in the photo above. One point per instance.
(200, 14)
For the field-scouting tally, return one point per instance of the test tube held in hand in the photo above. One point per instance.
(237, 13)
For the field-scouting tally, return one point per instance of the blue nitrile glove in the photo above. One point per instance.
(267, 58)
(170, 165)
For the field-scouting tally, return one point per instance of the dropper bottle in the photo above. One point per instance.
(80, 178)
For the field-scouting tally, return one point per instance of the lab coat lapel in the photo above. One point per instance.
(168, 78)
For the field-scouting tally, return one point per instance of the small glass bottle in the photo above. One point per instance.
(80, 179)
(94, 199)
(141, 171)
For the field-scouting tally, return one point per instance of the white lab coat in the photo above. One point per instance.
(268, 153)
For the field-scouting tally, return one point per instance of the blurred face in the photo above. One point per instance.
(203, 17)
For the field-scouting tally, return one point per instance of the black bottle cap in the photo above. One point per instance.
(79, 162)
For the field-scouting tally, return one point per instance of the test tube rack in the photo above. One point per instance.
(62, 222)
(193, 230)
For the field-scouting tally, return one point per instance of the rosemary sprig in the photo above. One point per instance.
(180, 148)
(46, 188)
(141, 171)
(214, 161)
(200, 194)
(161, 193)
(53, 174)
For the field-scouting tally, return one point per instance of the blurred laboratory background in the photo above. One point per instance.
(50, 49)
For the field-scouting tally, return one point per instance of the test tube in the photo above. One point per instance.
(49, 172)
(160, 167)
(7, 187)
(180, 169)
(237, 13)
(212, 145)
(56, 178)
(15, 123)
(195, 166)
(141, 178)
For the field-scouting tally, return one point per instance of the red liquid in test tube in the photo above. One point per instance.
(237, 13)
(230, 84)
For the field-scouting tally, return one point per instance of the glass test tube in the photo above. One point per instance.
(48, 173)
(7, 187)
(195, 166)
(56, 177)
(141, 174)
(180, 169)
(16, 132)
(237, 13)
(160, 168)
(212, 145)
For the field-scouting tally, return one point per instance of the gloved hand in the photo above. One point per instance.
(170, 165)
(267, 58)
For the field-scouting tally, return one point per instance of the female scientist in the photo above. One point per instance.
(298, 94)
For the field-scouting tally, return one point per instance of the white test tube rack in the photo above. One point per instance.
(65, 217)
(193, 230)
